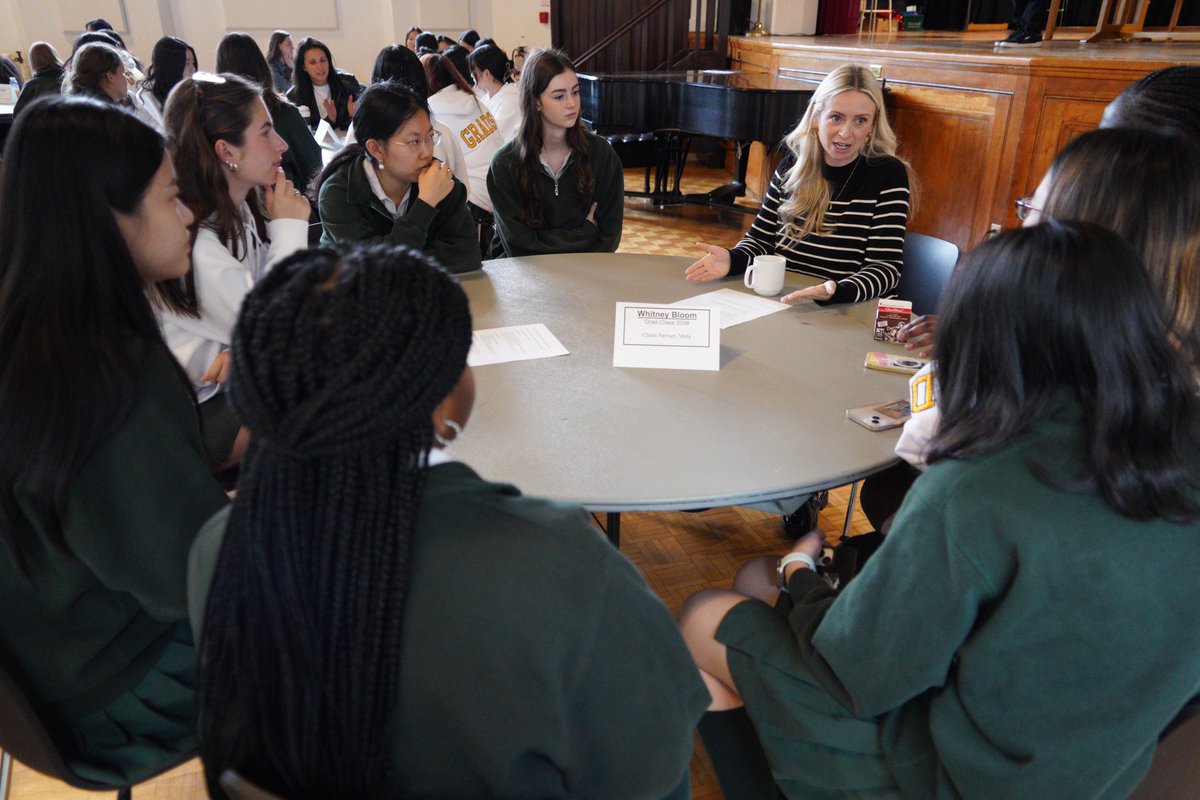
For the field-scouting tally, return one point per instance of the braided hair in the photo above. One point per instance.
(339, 359)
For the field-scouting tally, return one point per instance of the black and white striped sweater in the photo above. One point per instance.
(864, 253)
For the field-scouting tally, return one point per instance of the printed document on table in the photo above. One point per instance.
(736, 307)
(515, 343)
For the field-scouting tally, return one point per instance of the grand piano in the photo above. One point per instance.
(674, 106)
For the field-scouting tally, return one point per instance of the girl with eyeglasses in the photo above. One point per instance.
(387, 186)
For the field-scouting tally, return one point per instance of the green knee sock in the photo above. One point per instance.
(737, 756)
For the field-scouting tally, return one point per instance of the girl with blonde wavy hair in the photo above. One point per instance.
(837, 206)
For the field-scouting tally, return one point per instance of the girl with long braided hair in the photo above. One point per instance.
(380, 621)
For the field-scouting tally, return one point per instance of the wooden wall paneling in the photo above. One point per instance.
(954, 140)
(1060, 108)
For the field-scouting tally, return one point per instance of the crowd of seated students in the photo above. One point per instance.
(369, 613)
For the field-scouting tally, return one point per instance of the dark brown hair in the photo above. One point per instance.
(540, 68)
(201, 111)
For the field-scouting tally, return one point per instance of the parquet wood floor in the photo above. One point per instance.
(679, 553)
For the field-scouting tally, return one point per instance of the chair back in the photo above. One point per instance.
(1175, 772)
(928, 263)
(25, 736)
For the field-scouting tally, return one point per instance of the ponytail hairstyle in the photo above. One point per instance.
(440, 72)
(492, 60)
(1083, 322)
(167, 62)
(75, 326)
(339, 359)
(383, 109)
(89, 66)
(806, 190)
(543, 66)
(200, 111)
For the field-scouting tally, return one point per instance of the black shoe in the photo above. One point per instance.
(804, 518)
(1021, 38)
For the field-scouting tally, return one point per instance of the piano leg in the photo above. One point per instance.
(726, 196)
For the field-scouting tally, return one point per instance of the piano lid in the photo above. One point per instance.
(730, 104)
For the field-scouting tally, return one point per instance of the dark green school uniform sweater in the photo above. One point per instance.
(1009, 640)
(100, 611)
(302, 159)
(46, 81)
(351, 212)
(536, 662)
(565, 227)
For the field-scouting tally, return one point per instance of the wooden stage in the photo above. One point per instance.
(979, 123)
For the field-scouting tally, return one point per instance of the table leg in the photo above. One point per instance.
(612, 527)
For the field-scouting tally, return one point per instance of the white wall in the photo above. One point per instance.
(355, 30)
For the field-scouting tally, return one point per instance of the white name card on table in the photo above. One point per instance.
(514, 343)
(659, 336)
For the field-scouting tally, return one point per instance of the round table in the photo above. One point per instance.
(771, 424)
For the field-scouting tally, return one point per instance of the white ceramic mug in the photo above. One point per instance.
(765, 275)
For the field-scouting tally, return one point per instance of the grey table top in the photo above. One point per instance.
(770, 424)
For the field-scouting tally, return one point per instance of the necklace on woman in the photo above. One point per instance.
(847, 183)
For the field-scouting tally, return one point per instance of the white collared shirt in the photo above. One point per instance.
(377, 189)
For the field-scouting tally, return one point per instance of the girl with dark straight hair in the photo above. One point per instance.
(103, 478)
(557, 187)
(319, 88)
(238, 54)
(172, 61)
(387, 186)
(344, 652)
(969, 656)
(248, 216)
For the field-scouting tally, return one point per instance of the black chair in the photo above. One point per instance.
(485, 227)
(26, 737)
(928, 263)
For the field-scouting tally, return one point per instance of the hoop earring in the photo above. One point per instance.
(455, 428)
(232, 166)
